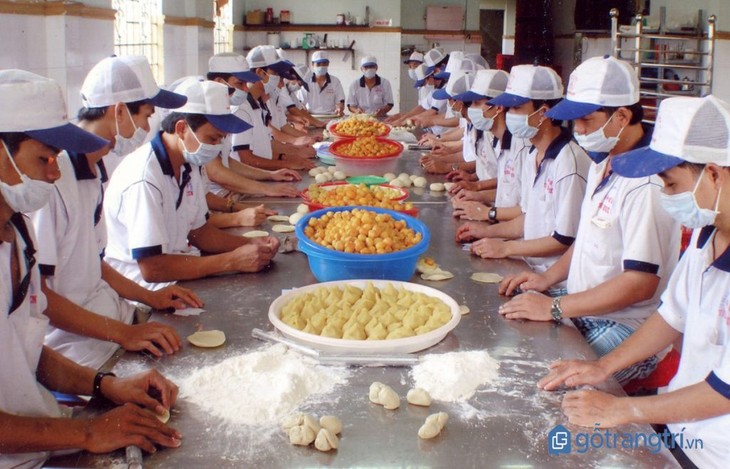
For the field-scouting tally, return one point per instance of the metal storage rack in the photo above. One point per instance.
(659, 57)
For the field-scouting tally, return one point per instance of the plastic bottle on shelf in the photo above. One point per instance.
(269, 19)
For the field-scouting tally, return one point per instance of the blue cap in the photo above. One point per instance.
(247, 77)
(568, 110)
(469, 96)
(441, 94)
(643, 162)
(508, 100)
(168, 99)
(443, 75)
(228, 123)
(69, 137)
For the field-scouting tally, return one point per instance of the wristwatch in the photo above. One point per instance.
(492, 214)
(555, 310)
(96, 389)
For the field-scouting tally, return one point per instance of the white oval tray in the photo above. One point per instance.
(329, 344)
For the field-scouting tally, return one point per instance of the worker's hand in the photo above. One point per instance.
(139, 389)
(423, 120)
(463, 184)
(125, 426)
(573, 373)
(253, 216)
(340, 111)
(464, 195)
(301, 152)
(488, 248)
(394, 120)
(526, 281)
(461, 175)
(281, 190)
(172, 296)
(270, 243)
(304, 141)
(296, 162)
(531, 305)
(285, 175)
(470, 210)
(589, 408)
(427, 139)
(150, 336)
(382, 112)
(470, 231)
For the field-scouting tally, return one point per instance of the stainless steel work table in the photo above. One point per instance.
(506, 425)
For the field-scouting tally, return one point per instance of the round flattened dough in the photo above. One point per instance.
(278, 218)
(486, 277)
(302, 208)
(420, 181)
(207, 339)
(283, 228)
(437, 187)
(255, 234)
(427, 265)
(295, 217)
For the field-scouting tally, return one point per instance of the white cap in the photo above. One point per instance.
(304, 74)
(458, 61)
(528, 82)
(423, 71)
(36, 106)
(320, 56)
(414, 57)
(235, 64)
(434, 56)
(211, 99)
(696, 130)
(487, 84)
(126, 80)
(263, 56)
(478, 60)
(598, 82)
(459, 83)
(369, 60)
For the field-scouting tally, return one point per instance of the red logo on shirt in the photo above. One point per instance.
(33, 299)
(724, 310)
(509, 170)
(549, 186)
(606, 204)
(189, 189)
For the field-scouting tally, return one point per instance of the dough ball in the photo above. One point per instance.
(339, 176)
(282, 228)
(396, 183)
(314, 171)
(302, 208)
(311, 422)
(301, 435)
(207, 339)
(332, 169)
(331, 423)
(418, 396)
(375, 392)
(292, 421)
(420, 181)
(406, 181)
(449, 185)
(437, 187)
(326, 440)
(433, 425)
(321, 178)
(388, 398)
(295, 217)
(413, 177)
(486, 277)
(403, 176)
(255, 234)
(389, 176)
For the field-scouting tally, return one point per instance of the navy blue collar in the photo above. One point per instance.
(80, 164)
(723, 261)
(161, 154)
(362, 81)
(252, 101)
(506, 140)
(327, 80)
(554, 149)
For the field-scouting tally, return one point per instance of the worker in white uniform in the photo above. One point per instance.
(371, 93)
(325, 94)
(300, 79)
(33, 426)
(426, 84)
(88, 308)
(693, 159)
(155, 205)
(412, 62)
(228, 176)
(627, 246)
(553, 177)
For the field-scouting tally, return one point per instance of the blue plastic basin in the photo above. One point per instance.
(328, 264)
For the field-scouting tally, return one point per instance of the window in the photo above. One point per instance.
(223, 35)
(138, 31)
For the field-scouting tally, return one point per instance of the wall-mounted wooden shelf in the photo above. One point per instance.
(316, 28)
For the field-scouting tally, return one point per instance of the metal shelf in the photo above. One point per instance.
(654, 60)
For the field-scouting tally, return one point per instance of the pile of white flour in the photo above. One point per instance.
(261, 387)
(454, 376)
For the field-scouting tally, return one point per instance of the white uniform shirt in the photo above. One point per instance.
(370, 100)
(72, 237)
(697, 303)
(554, 195)
(258, 137)
(324, 99)
(22, 329)
(149, 212)
(279, 102)
(511, 152)
(623, 227)
(424, 97)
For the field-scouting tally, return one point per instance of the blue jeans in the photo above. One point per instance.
(604, 335)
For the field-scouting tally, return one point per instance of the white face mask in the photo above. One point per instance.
(518, 125)
(683, 207)
(205, 153)
(270, 86)
(124, 146)
(293, 87)
(428, 88)
(597, 141)
(27, 196)
(369, 73)
(412, 74)
(476, 116)
(320, 71)
(238, 97)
